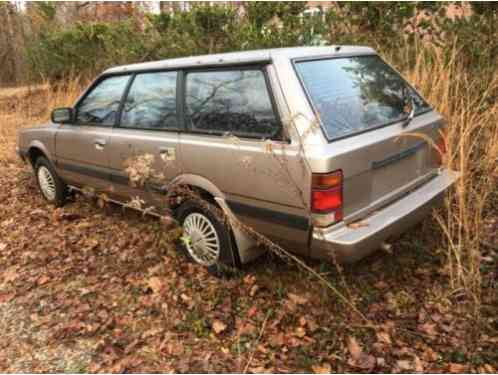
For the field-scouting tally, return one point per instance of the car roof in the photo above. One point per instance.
(240, 58)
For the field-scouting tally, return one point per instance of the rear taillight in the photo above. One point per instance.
(326, 195)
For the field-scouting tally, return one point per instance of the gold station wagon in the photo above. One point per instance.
(312, 147)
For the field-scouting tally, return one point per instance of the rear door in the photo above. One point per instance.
(235, 139)
(145, 142)
(82, 148)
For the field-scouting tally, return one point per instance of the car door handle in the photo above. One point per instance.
(100, 144)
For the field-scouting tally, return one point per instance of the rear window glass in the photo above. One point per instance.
(151, 102)
(355, 94)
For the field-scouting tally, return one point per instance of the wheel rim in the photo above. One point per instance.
(47, 183)
(203, 243)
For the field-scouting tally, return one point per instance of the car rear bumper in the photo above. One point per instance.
(348, 244)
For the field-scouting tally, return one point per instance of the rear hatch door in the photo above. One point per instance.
(363, 106)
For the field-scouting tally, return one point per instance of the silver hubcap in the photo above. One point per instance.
(203, 243)
(47, 183)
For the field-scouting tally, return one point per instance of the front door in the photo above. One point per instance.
(82, 155)
(82, 148)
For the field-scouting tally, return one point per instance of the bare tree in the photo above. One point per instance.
(11, 44)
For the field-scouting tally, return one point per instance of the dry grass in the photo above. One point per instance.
(22, 91)
(31, 105)
(469, 105)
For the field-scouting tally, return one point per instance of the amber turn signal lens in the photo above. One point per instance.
(326, 181)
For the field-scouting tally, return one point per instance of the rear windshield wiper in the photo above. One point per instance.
(409, 109)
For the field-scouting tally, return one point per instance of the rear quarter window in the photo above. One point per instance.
(351, 95)
(151, 102)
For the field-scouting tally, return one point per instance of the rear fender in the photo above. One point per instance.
(245, 244)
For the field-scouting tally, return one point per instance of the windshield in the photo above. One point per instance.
(355, 94)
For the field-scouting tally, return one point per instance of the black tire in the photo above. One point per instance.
(60, 188)
(228, 260)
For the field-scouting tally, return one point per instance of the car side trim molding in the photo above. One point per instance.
(116, 178)
(277, 217)
(397, 157)
(87, 171)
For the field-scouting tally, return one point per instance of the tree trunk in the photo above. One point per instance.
(9, 69)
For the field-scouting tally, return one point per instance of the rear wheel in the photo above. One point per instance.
(206, 237)
(52, 188)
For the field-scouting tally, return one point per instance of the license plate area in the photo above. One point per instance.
(398, 170)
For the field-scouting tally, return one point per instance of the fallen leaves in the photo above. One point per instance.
(300, 332)
(248, 329)
(60, 214)
(381, 285)
(384, 338)
(429, 355)
(44, 279)
(358, 358)
(277, 340)
(218, 326)
(252, 312)
(419, 365)
(323, 368)
(297, 299)
(10, 274)
(254, 290)
(487, 369)
(173, 347)
(155, 284)
(358, 225)
(6, 297)
(428, 329)
(404, 365)
(107, 279)
(457, 368)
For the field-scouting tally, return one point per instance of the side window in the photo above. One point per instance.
(101, 105)
(151, 102)
(235, 101)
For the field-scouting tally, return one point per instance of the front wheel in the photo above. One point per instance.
(53, 189)
(206, 236)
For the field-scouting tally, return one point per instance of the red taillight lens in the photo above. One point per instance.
(327, 200)
(326, 194)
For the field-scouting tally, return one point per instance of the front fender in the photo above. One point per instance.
(41, 138)
(40, 146)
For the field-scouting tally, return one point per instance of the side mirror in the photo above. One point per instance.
(62, 115)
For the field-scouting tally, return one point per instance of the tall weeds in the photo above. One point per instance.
(30, 106)
(469, 105)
